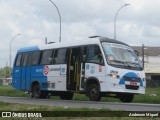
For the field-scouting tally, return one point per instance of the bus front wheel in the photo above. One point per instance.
(93, 93)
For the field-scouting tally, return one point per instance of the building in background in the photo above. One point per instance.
(151, 64)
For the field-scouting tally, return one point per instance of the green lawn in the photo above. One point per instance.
(62, 113)
(152, 95)
(8, 90)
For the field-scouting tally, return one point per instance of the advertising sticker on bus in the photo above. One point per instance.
(45, 70)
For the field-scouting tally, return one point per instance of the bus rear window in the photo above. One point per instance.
(26, 59)
(18, 60)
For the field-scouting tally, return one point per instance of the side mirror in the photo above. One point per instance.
(100, 56)
(137, 53)
(100, 59)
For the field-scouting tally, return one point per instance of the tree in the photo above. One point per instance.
(5, 72)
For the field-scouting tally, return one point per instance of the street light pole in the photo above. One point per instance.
(143, 55)
(59, 19)
(116, 19)
(10, 56)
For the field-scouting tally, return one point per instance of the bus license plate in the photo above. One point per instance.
(133, 83)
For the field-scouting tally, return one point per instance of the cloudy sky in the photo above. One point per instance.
(137, 24)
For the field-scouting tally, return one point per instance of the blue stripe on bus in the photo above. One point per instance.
(28, 49)
(132, 75)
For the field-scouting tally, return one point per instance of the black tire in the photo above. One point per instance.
(45, 95)
(93, 92)
(38, 94)
(126, 98)
(66, 96)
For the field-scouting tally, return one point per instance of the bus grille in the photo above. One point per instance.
(131, 79)
(131, 87)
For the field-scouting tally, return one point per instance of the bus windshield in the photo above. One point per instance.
(121, 55)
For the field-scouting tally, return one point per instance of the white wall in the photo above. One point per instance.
(152, 64)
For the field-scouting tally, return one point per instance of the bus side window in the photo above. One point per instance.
(36, 57)
(60, 56)
(47, 57)
(18, 59)
(26, 59)
(94, 55)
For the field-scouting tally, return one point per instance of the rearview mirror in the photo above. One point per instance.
(136, 52)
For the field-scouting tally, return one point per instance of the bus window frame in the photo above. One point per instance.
(99, 63)
(38, 62)
(66, 56)
(28, 60)
(15, 64)
(52, 54)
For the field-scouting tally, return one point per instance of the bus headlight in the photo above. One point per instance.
(114, 76)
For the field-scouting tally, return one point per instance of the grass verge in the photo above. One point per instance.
(24, 108)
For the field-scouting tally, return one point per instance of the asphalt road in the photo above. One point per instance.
(83, 104)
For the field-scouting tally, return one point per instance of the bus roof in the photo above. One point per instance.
(88, 41)
(28, 49)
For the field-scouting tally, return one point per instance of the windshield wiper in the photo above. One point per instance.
(125, 63)
(135, 64)
(128, 64)
(117, 61)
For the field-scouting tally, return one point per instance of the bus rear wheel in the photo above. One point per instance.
(93, 93)
(37, 93)
(126, 97)
(66, 95)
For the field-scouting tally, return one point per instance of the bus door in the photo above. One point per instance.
(25, 73)
(83, 61)
(74, 69)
